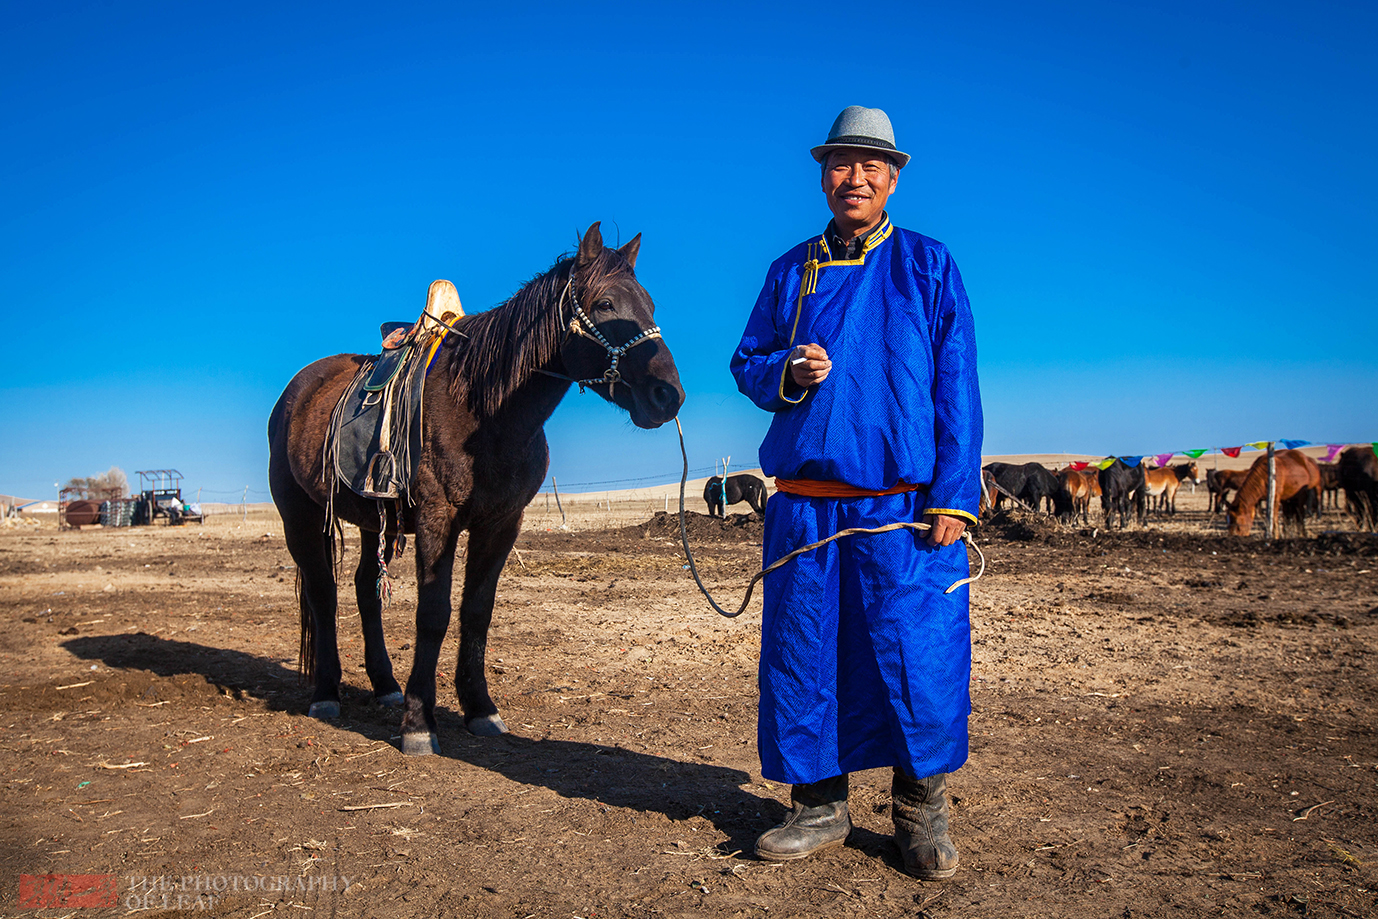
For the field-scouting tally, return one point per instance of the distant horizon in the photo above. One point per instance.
(1248, 455)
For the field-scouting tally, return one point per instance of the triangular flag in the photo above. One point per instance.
(1231, 451)
(1259, 444)
(1331, 450)
(1131, 461)
(1106, 463)
(1162, 458)
(1294, 444)
(1077, 466)
(1194, 454)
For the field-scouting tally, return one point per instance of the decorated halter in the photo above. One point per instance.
(581, 324)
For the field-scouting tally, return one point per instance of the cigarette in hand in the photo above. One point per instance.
(799, 360)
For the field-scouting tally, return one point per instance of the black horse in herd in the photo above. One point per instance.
(1032, 484)
(740, 487)
(483, 457)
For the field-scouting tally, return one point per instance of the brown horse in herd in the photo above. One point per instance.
(1296, 473)
(1163, 483)
(492, 386)
(1082, 485)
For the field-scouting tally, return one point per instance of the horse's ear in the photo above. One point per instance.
(630, 250)
(589, 246)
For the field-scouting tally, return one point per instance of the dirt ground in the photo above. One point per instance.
(1167, 723)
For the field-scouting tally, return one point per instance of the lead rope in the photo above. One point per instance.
(383, 587)
(751, 585)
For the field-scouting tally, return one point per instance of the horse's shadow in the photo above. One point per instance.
(607, 774)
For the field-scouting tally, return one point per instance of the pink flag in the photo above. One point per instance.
(1331, 451)
(1162, 458)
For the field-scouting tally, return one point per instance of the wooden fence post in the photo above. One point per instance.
(1272, 494)
(555, 486)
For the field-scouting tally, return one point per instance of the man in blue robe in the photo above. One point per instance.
(862, 345)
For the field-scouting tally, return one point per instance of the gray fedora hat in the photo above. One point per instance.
(863, 128)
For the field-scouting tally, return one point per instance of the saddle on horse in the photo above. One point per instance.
(374, 443)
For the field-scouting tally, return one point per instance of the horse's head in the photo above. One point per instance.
(614, 345)
(1194, 473)
(1240, 519)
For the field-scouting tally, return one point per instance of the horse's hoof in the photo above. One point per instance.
(420, 744)
(326, 709)
(390, 700)
(486, 726)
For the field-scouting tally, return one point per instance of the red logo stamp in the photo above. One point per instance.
(67, 891)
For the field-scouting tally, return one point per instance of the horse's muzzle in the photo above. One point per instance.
(655, 402)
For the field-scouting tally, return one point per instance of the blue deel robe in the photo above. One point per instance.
(865, 662)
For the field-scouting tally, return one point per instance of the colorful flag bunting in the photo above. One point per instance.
(1162, 459)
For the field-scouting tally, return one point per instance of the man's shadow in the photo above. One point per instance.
(607, 774)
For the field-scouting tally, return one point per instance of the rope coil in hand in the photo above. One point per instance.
(751, 585)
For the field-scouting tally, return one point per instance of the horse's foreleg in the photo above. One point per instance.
(376, 661)
(488, 551)
(435, 564)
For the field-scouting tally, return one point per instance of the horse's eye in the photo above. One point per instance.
(603, 304)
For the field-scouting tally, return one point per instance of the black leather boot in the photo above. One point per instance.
(920, 809)
(819, 820)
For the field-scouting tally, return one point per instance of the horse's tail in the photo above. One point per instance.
(334, 541)
(307, 650)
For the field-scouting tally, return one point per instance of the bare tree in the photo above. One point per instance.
(112, 483)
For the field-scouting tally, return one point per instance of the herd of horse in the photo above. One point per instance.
(1304, 488)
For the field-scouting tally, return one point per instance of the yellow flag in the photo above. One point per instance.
(1260, 444)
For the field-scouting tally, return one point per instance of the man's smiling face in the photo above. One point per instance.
(858, 183)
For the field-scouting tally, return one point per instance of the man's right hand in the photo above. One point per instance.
(813, 369)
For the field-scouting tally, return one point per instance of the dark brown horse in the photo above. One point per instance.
(1220, 482)
(1295, 472)
(491, 388)
(1358, 474)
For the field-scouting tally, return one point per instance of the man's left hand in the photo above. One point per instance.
(944, 529)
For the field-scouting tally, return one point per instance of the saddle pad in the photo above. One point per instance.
(360, 460)
(386, 367)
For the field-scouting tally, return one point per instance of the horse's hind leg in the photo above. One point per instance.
(376, 661)
(303, 525)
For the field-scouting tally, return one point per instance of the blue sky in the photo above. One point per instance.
(1164, 214)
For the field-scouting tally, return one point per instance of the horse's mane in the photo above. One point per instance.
(501, 348)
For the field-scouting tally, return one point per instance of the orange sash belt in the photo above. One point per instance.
(814, 488)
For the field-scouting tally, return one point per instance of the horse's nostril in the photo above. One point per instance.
(663, 397)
